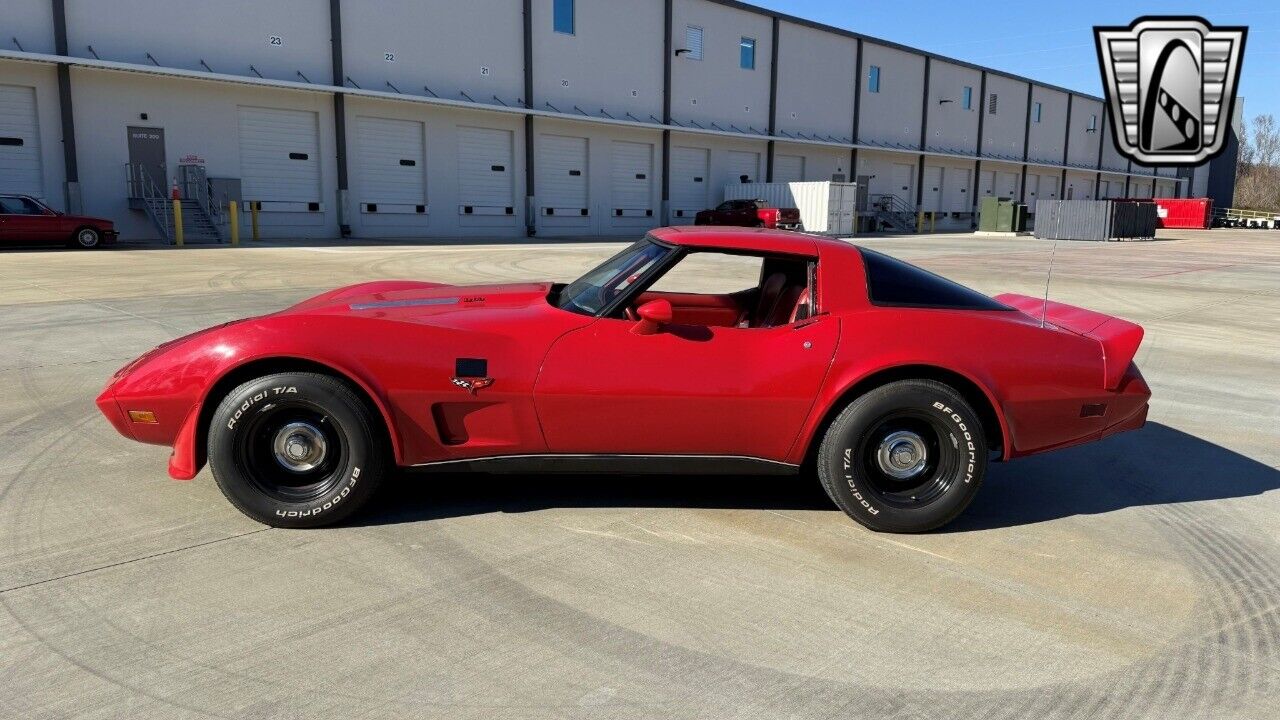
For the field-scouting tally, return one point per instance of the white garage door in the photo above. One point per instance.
(955, 191)
(1008, 187)
(280, 158)
(20, 170)
(1033, 191)
(902, 182)
(742, 164)
(562, 176)
(931, 199)
(690, 171)
(632, 179)
(391, 166)
(1048, 187)
(788, 168)
(485, 184)
(987, 184)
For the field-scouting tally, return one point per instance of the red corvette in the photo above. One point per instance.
(894, 385)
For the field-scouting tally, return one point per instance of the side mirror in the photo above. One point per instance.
(653, 315)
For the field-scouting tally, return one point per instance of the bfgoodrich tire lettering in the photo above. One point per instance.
(297, 449)
(905, 457)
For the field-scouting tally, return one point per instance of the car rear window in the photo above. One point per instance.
(892, 282)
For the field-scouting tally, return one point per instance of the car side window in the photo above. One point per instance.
(766, 291)
(11, 206)
(31, 207)
(724, 206)
(711, 273)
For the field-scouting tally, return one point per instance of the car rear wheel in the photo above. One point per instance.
(297, 450)
(87, 238)
(905, 457)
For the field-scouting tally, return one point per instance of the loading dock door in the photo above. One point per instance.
(902, 184)
(788, 168)
(280, 158)
(955, 191)
(987, 183)
(931, 199)
(391, 166)
(1048, 188)
(690, 181)
(632, 179)
(562, 176)
(485, 175)
(1008, 185)
(1033, 191)
(20, 167)
(743, 164)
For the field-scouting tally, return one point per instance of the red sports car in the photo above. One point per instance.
(894, 385)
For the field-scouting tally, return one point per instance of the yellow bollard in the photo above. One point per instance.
(234, 209)
(177, 222)
(254, 208)
(919, 220)
(933, 221)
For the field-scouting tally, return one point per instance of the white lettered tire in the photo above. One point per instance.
(297, 450)
(905, 457)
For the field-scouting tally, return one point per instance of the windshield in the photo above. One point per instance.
(595, 290)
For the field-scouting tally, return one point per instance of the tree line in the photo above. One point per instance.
(1258, 172)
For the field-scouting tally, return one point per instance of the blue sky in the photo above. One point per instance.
(1049, 41)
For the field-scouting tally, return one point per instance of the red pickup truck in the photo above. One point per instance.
(749, 213)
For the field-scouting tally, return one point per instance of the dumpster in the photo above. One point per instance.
(1188, 213)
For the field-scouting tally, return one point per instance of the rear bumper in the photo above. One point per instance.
(1128, 411)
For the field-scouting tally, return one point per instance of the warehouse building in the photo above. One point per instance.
(427, 118)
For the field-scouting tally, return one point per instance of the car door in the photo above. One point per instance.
(24, 221)
(686, 389)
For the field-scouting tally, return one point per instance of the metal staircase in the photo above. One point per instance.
(893, 213)
(200, 216)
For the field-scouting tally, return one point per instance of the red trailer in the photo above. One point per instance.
(1186, 213)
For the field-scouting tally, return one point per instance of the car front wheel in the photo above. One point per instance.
(87, 238)
(297, 450)
(905, 457)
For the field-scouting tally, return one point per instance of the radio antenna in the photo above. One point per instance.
(1044, 308)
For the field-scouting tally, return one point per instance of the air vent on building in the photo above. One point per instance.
(299, 156)
(991, 104)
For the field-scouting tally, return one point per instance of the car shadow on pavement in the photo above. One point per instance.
(1156, 465)
(1153, 466)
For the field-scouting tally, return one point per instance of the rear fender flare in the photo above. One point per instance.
(842, 391)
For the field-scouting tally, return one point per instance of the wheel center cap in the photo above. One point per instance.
(901, 455)
(299, 447)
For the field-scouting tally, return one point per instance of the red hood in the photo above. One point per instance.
(406, 299)
(89, 220)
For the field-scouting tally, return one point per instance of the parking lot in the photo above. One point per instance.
(1136, 577)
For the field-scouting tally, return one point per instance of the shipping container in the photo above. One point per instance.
(825, 207)
(1187, 213)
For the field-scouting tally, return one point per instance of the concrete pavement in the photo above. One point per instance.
(1137, 577)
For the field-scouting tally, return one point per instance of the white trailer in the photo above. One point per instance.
(825, 207)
